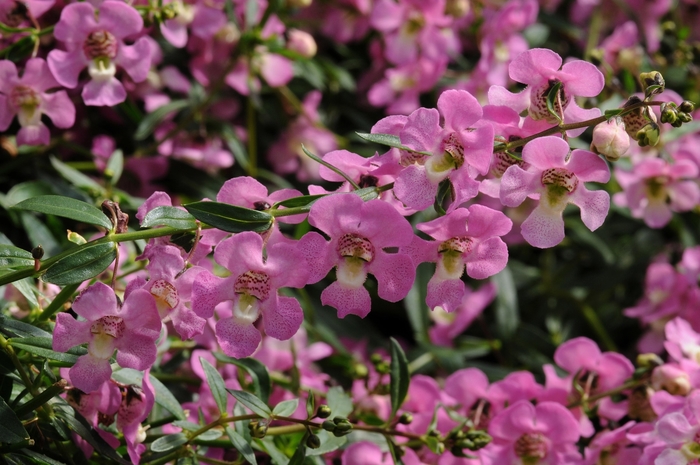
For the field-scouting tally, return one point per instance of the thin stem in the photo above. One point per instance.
(628, 385)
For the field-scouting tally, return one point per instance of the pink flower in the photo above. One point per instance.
(137, 403)
(359, 232)
(96, 40)
(539, 69)
(655, 188)
(132, 329)
(26, 97)
(252, 287)
(525, 433)
(464, 238)
(448, 326)
(457, 148)
(558, 182)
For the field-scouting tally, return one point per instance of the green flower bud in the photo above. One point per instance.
(376, 358)
(458, 452)
(686, 106)
(669, 114)
(406, 418)
(328, 425)
(323, 411)
(360, 371)
(257, 430)
(648, 135)
(343, 427)
(338, 420)
(653, 83)
(685, 117)
(37, 252)
(313, 442)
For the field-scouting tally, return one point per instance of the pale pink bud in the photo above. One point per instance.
(301, 42)
(610, 139)
(671, 379)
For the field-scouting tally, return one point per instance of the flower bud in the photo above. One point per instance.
(685, 117)
(671, 379)
(338, 420)
(301, 42)
(653, 83)
(479, 438)
(649, 360)
(313, 442)
(323, 411)
(686, 106)
(458, 452)
(636, 119)
(406, 418)
(37, 252)
(610, 139)
(328, 425)
(75, 238)
(669, 113)
(359, 371)
(257, 429)
(648, 135)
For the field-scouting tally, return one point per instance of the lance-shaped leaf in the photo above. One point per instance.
(169, 442)
(252, 402)
(66, 207)
(11, 256)
(257, 371)
(286, 408)
(303, 201)
(216, 384)
(169, 216)
(82, 264)
(42, 346)
(388, 140)
(554, 101)
(11, 429)
(241, 445)
(230, 218)
(399, 378)
(75, 177)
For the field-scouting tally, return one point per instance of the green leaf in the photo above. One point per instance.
(310, 405)
(302, 201)
(286, 408)
(389, 140)
(11, 429)
(335, 169)
(257, 371)
(393, 451)
(21, 329)
(27, 190)
(66, 207)
(216, 384)
(339, 402)
(300, 453)
(42, 346)
(82, 264)
(11, 256)
(149, 122)
(75, 177)
(20, 49)
(507, 315)
(553, 101)
(268, 445)
(115, 167)
(164, 397)
(399, 379)
(169, 216)
(82, 428)
(230, 218)
(367, 193)
(241, 445)
(169, 442)
(252, 402)
(40, 458)
(613, 112)
(27, 289)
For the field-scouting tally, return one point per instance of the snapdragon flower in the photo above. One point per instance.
(95, 39)
(27, 98)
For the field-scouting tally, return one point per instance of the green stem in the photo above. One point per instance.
(628, 385)
(598, 327)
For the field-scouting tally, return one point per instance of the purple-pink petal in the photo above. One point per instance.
(534, 66)
(66, 66)
(460, 109)
(136, 351)
(517, 184)
(447, 294)
(77, 21)
(587, 166)
(70, 332)
(37, 75)
(89, 373)
(355, 301)
(395, 274)
(544, 227)
(95, 302)
(135, 59)
(105, 93)
(413, 188)
(59, 107)
(594, 206)
(237, 340)
(487, 259)
(585, 81)
(546, 152)
(120, 19)
(240, 253)
(282, 317)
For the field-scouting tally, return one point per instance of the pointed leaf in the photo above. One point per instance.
(216, 384)
(310, 404)
(399, 378)
(169, 442)
(300, 453)
(82, 264)
(42, 346)
(11, 256)
(304, 200)
(507, 315)
(393, 450)
(389, 140)
(339, 402)
(66, 207)
(241, 445)
(286, 408)
(11, 429)
(75, 177)
(169, 216)
(257, 371)
(115, 167)
(252, 402)
(22, 329)
(230, 218)
(553, 101)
